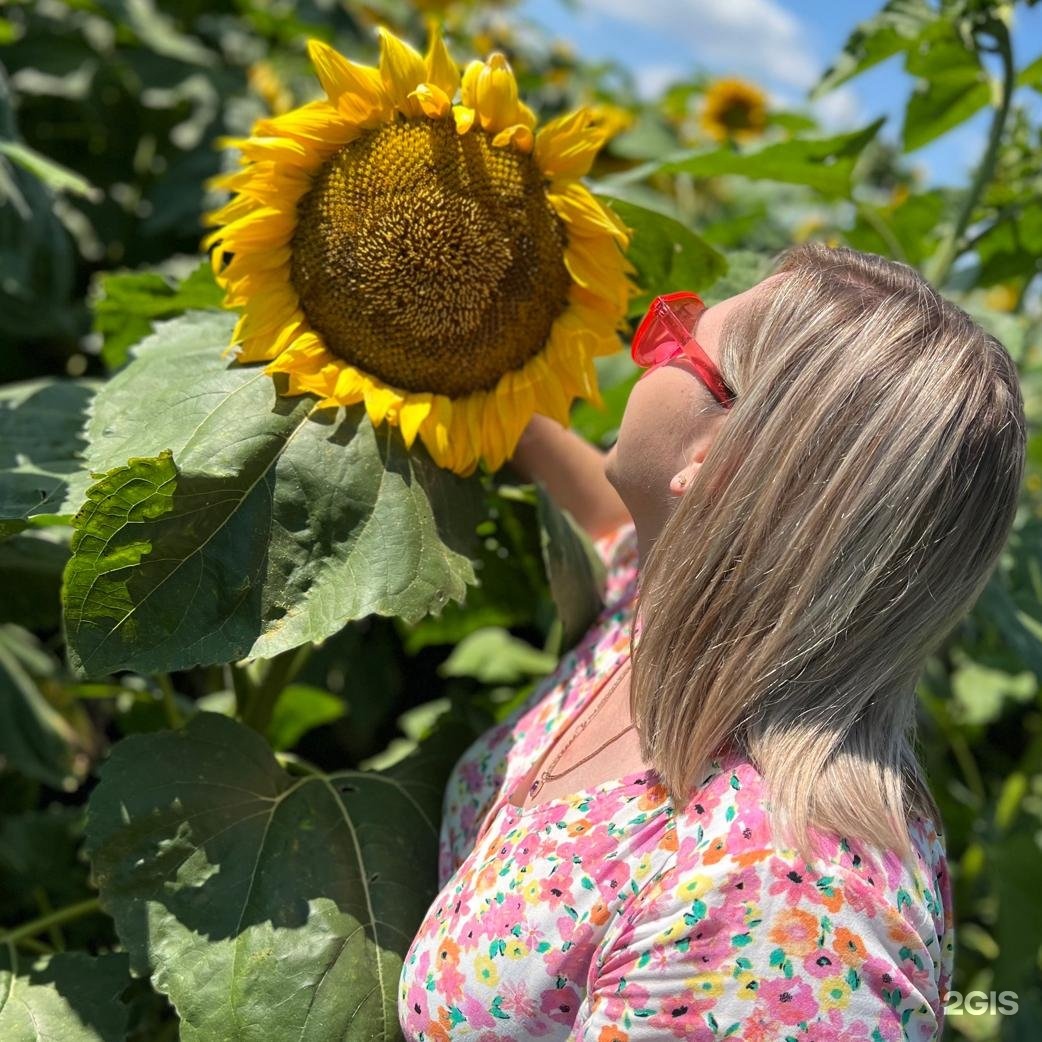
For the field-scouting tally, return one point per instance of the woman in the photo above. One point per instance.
(726, 833)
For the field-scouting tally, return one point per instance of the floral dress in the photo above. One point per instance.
(606, 916)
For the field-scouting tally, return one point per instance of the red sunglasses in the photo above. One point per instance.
(665, 332)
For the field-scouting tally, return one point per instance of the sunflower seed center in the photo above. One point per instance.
(430, 259)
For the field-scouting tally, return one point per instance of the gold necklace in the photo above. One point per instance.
(547, 775)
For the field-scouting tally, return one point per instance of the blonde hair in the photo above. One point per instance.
(847, 516)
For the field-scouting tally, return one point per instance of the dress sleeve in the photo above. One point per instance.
(764, 950)
(618, 551)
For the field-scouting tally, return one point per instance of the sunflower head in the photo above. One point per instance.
(734, 109)
(436, 258)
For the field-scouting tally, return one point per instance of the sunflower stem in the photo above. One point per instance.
(173, 713)
(279, 673)
(46, 922)
(946, 255)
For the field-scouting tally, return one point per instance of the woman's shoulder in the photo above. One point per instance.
(727, 830)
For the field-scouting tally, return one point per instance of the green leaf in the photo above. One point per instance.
(1031, 75)
(1013, 865)
(668, 256)
(34, 737)
(952, 86)
(913, 225)
(41, 442)
(1011, 248)
(745, 268)
(825, 164)
(277, 524)
(71, 996)
(574, 568)
(266, 906)
(1019, 630)
(649, 136)
(37, 258)
(495, 656)
(891, 31)
(982, 693)
(126, 303)
(301, 708)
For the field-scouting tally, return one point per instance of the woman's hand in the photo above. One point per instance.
(572, 471)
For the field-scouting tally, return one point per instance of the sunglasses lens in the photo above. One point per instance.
(664, 329)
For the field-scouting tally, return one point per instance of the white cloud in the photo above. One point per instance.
(651, 80)
(756, 37)
(839, 110)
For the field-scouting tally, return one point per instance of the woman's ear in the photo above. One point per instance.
(681, 480)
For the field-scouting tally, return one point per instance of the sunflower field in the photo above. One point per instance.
(281, 284)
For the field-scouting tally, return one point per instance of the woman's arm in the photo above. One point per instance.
(768, 951)
(572, 471)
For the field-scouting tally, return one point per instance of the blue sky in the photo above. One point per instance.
(782, 45)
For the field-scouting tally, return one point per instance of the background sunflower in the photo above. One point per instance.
(441, 262)
(734, 109)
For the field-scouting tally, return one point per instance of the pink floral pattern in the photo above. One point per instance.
(605, 916)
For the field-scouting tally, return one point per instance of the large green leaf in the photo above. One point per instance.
(668, 255)
(70, 996)
(273, 524)
(266, 906)
(953, 85)
(41, 473)
(824, 164)
(890, 31)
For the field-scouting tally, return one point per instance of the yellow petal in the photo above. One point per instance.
(264, 346)
(435, 430)
(402, 70)
(433, 100)
(345, 80)
(267, 313)
(496, 94)
(265, 226)
(473, 407)
(378, 400)
(522, 393)
(411, 413)
(350, 386)
(305, 355)
(597, 268)
(553, 399)
(281, 150)
(318, 122)
(469, 84)
(576, 205)
(566, 147)
(464, 118)
(518, 135)
(441, 69)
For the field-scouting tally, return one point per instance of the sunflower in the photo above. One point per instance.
(734, 108)
(440, 262)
